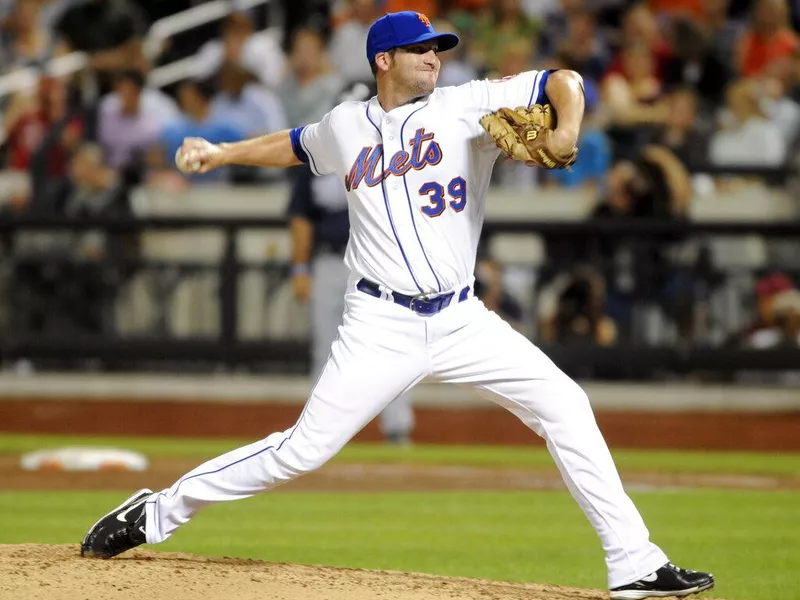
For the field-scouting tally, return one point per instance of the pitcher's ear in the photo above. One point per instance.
(383, 61)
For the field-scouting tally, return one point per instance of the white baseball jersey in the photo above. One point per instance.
(416, 191)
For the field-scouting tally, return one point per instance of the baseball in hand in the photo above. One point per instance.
(197, 155)
(187, 161)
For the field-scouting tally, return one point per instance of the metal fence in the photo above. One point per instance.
(83, 294)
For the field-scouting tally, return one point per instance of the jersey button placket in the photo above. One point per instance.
(387, 133)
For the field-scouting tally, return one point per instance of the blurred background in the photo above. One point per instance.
(668, 256)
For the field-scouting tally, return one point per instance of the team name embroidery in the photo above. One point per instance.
(366, 166)
(425, 20)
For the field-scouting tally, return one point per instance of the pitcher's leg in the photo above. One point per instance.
(327, 306)
(489, 354)
(361, 377)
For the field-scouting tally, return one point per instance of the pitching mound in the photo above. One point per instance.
(44, 572)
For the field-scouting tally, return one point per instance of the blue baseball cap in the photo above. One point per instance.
(404, 29)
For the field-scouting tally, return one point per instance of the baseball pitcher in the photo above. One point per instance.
(416, 161)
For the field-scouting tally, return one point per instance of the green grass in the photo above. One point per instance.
(508, 456)
(750, 540)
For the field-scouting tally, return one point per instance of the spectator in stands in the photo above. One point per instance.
(455, 70)
(780, 108)
(40, 132)
(723, 33)
(693, 64)
(555, 22)
(663, 187)
(309, 91)
(506, 26)
(350, 38)
(152, 101)
(26, 120)
(684, 132)
(594, 148)
(655, 186)
(252, 107)
(619, 199)
(257, 52)
(126, 130)
(633, 99)
(110, 31)
(198, 120)
(776, 314)
(583, 45)
(26, 42)
(67, 296)
(93, 188)
(255, 109)
(578, 314)
(634, 95)
(747, 137)
(768, 38)
(640, 29)
(612, 256)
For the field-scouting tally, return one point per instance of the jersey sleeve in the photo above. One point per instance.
(313, 144)
(523, 89)
(482, 97)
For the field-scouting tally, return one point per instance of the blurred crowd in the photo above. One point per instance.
(674, 88)
(712, 82)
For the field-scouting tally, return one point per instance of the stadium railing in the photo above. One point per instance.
(226, 346)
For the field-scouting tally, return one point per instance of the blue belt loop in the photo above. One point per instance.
(419, 304)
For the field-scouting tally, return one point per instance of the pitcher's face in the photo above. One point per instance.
(416, 67)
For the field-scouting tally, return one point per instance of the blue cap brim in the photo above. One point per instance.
(447, 41)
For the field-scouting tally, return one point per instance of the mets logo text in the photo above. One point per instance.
(425, 20)
(369, 165)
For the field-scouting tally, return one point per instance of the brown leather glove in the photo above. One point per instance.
(524, 134)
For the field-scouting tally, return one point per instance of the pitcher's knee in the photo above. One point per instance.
(295, 459)
(579, 395)
(577, 399)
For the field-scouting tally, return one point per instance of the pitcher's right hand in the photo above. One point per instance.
(197, 155)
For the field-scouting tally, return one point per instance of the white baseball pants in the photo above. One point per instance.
(383, 350)
(330, 277)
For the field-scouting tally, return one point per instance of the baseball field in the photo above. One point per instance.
(418, 523)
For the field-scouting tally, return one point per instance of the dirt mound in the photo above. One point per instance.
(46, 571)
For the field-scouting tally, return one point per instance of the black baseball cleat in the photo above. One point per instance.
(120, 530)
(666, 582)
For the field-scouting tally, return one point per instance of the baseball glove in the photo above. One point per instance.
(524, 134)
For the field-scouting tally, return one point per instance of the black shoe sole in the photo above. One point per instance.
(642, 594)
(88, 552)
